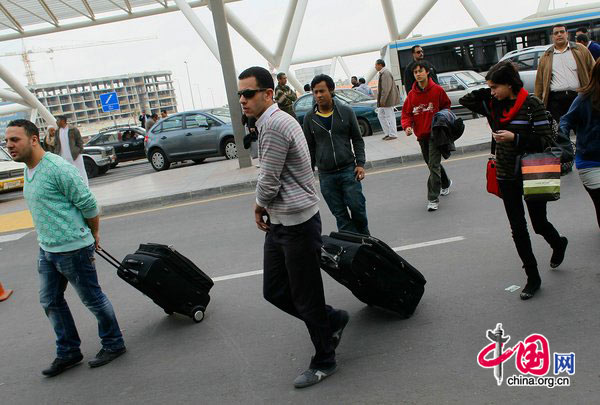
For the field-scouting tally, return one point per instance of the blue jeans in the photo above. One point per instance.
(77, 268)
(343, 193)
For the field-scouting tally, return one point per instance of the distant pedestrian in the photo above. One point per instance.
(67, 142)
(142, 118)
(354, 82)
(388, 96)
(284, 95)
(338, 150)
(592, 46)
(151, 121)
(424, 100)
(164, 114)
(66, 219)
(562, 69)
(307, 88)
(287, 197)
(584, 118)
(364, 88)
(418, 55)
(509, 109)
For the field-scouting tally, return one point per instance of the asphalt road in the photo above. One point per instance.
(246, 351)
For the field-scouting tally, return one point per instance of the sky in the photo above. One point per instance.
(327, 25)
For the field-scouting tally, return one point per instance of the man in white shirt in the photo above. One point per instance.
(67, 143)
(388, 96)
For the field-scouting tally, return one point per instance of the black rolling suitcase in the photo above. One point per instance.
(170, 279)
(374, 273)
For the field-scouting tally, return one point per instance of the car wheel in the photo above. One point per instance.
(230, 149)
(103, 169)
(363, 126)
(159, 160)
(113, 165)
(198, 161)
(90, 167)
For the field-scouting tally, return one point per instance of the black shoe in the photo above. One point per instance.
(104, 357)
(61, 364)
(337, 334)
(558, 255)
(530, 288)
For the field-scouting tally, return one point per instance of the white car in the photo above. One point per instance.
(527, 60)
(459, 83)
(98, 159)
(11, 172)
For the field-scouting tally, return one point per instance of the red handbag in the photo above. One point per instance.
(492, 180)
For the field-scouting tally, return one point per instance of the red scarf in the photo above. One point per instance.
(507, 116)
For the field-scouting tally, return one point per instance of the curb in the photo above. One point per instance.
(165, 201)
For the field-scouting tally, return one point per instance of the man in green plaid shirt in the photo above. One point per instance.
(284, 96)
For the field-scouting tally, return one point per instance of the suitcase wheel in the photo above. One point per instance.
(198, 314)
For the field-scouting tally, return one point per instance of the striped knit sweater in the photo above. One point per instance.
(286, 184)
(528, 138)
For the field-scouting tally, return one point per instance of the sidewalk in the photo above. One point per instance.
(224, 177)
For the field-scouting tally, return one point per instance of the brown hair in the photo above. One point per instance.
(592, 89)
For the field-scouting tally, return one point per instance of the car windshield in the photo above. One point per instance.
(471, 78)
(4, 156)
(353, 95)
(222, 113)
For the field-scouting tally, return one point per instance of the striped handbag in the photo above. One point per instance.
(541, 175)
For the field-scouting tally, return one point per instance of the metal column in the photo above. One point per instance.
(228, 67)
(199, 27)
(474, 12)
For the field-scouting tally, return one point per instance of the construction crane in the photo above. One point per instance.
(24, 54)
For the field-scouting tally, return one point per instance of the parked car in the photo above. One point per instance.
(190, 135)
(459, 83)
(98, 159)
(11, 172)
(128, 142)
(364, 107)
(527, 60)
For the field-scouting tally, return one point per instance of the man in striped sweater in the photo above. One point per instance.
(286, 196)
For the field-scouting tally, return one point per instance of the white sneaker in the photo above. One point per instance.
(446, 191)
(432, 206)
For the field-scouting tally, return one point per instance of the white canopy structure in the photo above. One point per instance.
(27, 18)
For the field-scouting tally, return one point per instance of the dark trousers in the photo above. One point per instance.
(438, 178)
(343, 193)
(292, 282)
(595, 194)
(512, 195)
(559, 103)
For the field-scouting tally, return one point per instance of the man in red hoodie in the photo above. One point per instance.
(424, 100)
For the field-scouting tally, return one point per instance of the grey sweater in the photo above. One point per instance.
(286, 184)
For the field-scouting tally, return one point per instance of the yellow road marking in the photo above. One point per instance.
(15, 221)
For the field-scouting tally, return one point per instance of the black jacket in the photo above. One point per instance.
(446, 128)
(339, 148)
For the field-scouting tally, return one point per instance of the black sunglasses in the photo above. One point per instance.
(249, 93)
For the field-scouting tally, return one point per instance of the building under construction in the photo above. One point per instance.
(79, 100)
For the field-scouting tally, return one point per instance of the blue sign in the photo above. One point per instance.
(109, 101)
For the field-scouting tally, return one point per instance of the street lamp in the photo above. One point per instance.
(199, 94)
(190, 83)
(180, 93)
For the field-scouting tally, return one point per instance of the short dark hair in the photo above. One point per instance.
(582, 29)
(505, 72)
(422, 64)
(262, 76)
(323, 78)
(559, 25)
(61, 117)
(380, 62)
(307, 87)
(354, 77)
(414, 48)
(280, 75)
(362, 80)
(30, 128)
(154, 115)
(583, 38)
(163, 111)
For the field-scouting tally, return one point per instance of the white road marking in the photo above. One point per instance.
(512, 288)
(12, 237)
(396, 249)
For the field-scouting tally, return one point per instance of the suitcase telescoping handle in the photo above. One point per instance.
(109, 258)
